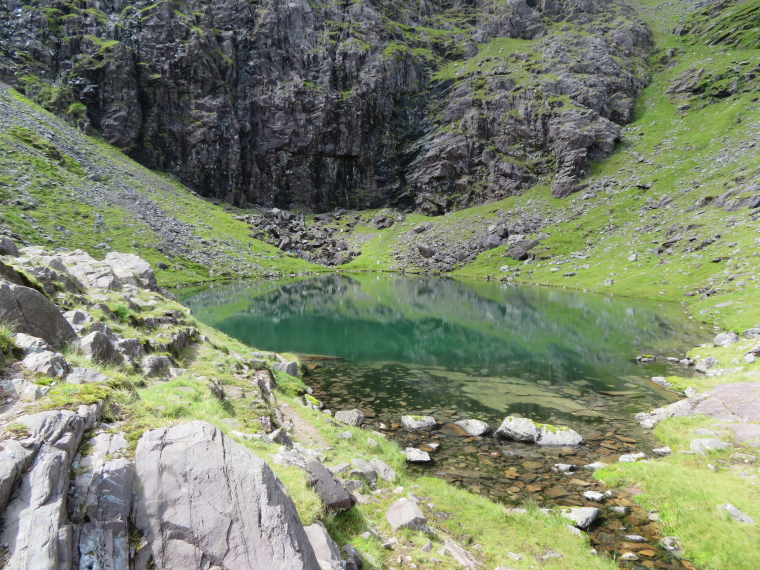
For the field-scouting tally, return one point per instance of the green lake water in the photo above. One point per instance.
(415, 344)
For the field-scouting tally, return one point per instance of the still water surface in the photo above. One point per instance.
(409, 344)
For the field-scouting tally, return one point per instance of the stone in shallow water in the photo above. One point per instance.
(417, 422)
(474, 427)
(632, 457)
(582, 517)
(416, 455)
(518, 429)
(594, 496)
(552, 436)
(556, 493)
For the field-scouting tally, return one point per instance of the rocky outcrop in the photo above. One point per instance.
(131, 269)
(227, 507)
(341, 104)
(36, 529)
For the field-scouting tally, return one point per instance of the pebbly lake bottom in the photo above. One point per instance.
(394, 345)
(509, 472)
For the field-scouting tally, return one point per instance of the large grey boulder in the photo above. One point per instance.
(204, 500)
(475, 428)
(51, 364)
(7, 273)
(383, 470)
(367, 471)
(754, 332)
(36, 530)
(97, 346)
(7, 247)
(528, 431)
(334, 496)
(518, 429)
(403, 513)
(132, 269)
(100, 504)
(23, 390)
(29, 311)
(324, 547)
(351, 417)
(417, 422)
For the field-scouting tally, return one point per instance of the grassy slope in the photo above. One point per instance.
(44, 161)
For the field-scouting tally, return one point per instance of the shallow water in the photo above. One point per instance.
(459, 349)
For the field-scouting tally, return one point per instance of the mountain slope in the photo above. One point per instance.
(59, 188)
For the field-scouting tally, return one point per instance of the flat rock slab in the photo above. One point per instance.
(735, 402)
(745, 432)
(703, 445)
(203, 497)
(736, 514)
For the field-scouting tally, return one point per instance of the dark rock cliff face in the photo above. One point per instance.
(434, 105)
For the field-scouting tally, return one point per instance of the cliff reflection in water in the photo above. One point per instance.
(524, 332)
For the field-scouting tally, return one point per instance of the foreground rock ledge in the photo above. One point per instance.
(204, 500)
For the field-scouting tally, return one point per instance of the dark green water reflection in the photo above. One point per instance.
(463, 345)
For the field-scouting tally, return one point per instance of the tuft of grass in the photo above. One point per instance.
(289, 385)
(15, 430)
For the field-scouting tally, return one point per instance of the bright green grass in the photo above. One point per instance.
(687, 493)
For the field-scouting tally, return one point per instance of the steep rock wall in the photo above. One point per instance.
(434, 105)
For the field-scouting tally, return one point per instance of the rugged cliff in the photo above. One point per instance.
(435, 105)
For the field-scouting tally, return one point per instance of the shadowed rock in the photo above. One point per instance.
(29, 311)
(334, 496)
